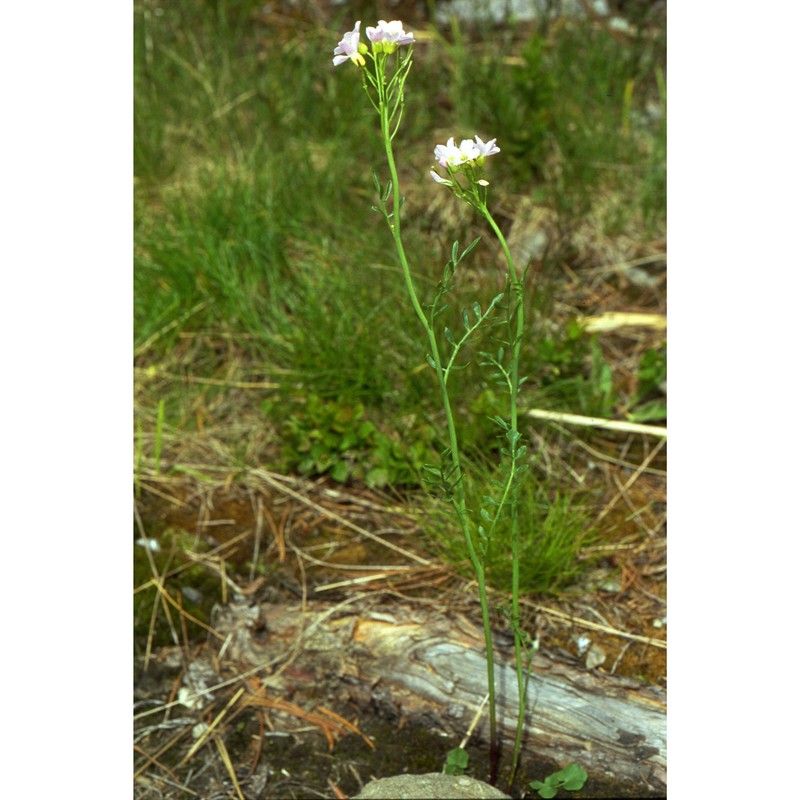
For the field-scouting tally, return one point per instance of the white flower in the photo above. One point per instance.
(388, 36)
(486, 148)
(452, 156)
(348, 48)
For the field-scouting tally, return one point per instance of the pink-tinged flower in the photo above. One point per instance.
(452, 156)
(348, 48)
(388, 36)
(486, 148)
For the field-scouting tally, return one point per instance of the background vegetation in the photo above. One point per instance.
(268, 306)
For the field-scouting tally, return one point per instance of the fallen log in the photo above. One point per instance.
(423, 664)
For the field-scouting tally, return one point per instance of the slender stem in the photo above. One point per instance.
(518, 311)
(459, 497)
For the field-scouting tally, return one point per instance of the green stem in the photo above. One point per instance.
(518, 311)
(459, 498)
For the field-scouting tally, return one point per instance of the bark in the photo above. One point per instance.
(427, 666)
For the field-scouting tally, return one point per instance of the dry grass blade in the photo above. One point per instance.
(164, 748)
(226, 760)
(203, 738)
(352, 567)
(157, 581)
(329, 727)
(642, 467)
(151, 760)
(474, 724)
(267, 478)
(613, 320)
(349, 725)
(168, 598)
(229, 384)
(620, 462)
(144, 346)
(597, 422)
(257, 534)
(210, 690)
(147, 481)
(585, 623)
(368, 578)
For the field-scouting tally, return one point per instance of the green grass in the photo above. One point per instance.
(554, 528)
(253, 161)
(579, 113)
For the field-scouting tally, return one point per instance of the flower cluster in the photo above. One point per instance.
(453, 157)
(386, 37)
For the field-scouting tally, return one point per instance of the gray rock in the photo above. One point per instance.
(432, 786)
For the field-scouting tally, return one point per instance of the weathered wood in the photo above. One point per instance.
(429, 665)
